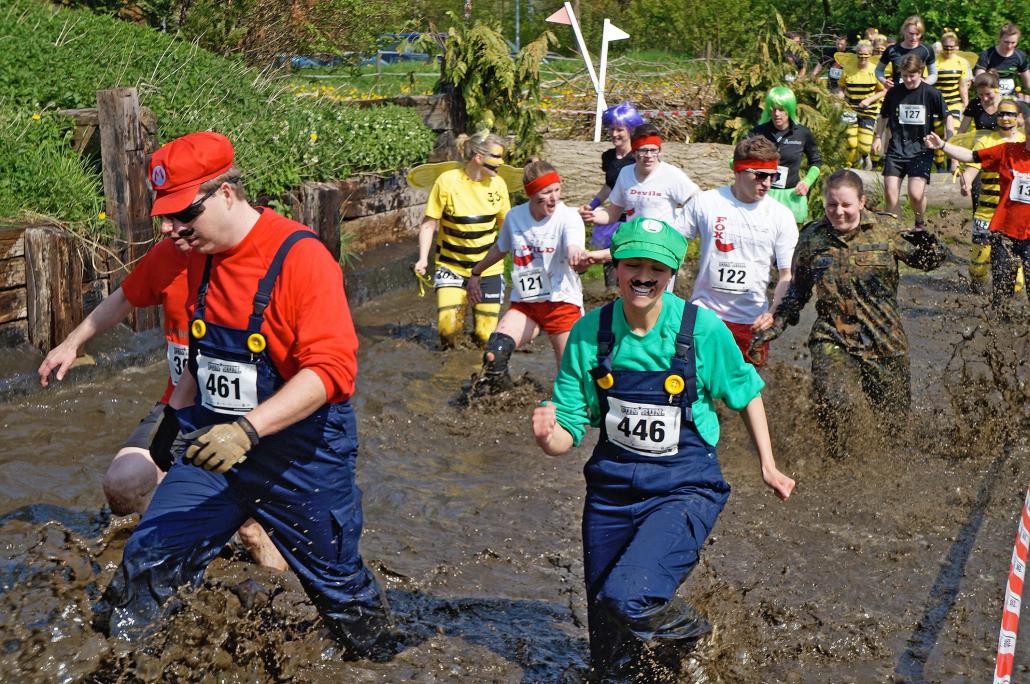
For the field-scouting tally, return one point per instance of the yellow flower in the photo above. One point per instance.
(36, 117)
(314, 137)
(102, 216)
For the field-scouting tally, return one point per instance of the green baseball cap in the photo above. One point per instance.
(649, 238)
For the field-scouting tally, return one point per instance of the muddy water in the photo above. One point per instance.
(887, 567)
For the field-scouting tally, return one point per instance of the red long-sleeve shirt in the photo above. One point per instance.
(307, 323)
(159, 279)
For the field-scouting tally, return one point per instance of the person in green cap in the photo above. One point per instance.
(779, 123)
(646, 370)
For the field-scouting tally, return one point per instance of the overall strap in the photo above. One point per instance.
(205, 281)
(264, 291)
(684, 355)
(605, 342)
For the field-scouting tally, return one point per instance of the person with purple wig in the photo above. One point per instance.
(619, 120)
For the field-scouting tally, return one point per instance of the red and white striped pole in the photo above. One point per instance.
(1013, 599)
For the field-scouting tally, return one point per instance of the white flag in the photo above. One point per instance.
(613, 32)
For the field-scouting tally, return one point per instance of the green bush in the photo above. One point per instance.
(58, 59)
(39, 174)
(743, 87)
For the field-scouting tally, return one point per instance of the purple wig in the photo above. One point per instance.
(622, 114)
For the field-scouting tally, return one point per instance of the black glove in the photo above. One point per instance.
(220, 447)
(920, 238)
(754, 351)
(163, 438)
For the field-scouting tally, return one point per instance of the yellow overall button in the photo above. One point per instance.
(606, 382)
(198, 328)
(674, 384)
(256, 343)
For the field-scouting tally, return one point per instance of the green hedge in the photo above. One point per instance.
(58, 58)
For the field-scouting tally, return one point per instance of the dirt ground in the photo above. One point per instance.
(889, 566)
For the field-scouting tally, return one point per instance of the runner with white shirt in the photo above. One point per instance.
(743, 234)
(546, 239)
(650, 188)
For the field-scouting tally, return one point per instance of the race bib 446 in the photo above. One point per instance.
(645, 429)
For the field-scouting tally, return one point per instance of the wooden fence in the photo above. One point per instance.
(49, 280)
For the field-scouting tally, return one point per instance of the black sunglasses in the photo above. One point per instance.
(765, 175)
(194, 210)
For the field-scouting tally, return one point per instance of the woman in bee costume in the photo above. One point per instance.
(646, 369)
(467, 205)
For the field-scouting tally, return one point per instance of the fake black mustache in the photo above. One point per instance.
(643, 283)
(185, 233)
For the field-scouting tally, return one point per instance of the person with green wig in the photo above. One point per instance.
(779, 124)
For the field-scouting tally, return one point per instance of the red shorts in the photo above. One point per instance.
(742, 335)
(552, 317)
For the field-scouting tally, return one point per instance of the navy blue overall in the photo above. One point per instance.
(298, 484)
(648, 510)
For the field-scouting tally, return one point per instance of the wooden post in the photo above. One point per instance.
(124, 147)
(320, 210)
(53, 283)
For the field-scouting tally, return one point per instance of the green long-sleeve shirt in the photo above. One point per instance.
(722, 372)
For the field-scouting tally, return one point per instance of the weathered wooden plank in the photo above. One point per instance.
(123, 140)
(373, 231)
(320, 210)
(12, 273)
(359, 188)
(53, 288)
(12, 243)
(384, 201)
(86, 129)
(12, 305)
(14, 333)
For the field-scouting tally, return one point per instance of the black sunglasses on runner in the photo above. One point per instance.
(194, 210)
(763, 175)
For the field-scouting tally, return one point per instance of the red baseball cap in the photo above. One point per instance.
(183, 165)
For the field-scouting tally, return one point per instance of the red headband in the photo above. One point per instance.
(647, 140)
(537, 184)
(755, 165)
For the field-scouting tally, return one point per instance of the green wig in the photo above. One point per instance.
(780, 97)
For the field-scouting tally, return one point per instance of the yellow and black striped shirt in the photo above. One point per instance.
(858, 84)
(470, 214)
(950, 72)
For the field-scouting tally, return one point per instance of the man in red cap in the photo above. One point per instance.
(264, 406)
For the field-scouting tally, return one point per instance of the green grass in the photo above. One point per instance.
(368, 82)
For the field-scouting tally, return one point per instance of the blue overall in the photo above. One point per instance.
(646, 515)
(298, 484)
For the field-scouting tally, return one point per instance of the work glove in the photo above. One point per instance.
(162, 439)
(760, 338)
(220, 447)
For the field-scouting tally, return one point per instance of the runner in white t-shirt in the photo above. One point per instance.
(743, 234)
(649, 188)
(546, 239)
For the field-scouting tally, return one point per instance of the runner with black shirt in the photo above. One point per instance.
(779, 125)
(1009, 62)
(911, 33)
(911, 109)
(982, 111)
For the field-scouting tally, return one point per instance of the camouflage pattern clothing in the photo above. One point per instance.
(855, 278)
(857, 340)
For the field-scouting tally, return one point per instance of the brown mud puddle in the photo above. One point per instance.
(889, 566)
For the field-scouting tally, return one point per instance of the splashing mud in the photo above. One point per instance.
(887, 566)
